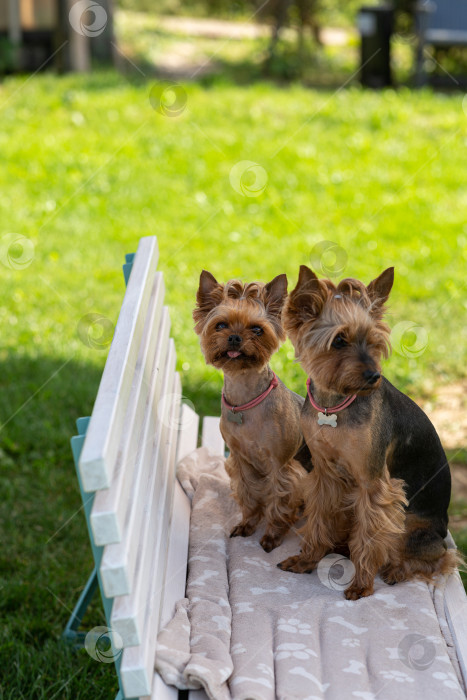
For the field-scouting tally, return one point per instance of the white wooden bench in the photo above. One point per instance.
(125, 454)
(137, 514)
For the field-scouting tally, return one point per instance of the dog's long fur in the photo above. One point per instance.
(381, 482)
(264, 475)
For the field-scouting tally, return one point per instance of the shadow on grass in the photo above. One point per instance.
(45, 557)
(315, 67)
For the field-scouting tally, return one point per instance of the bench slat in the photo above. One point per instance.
(161, 691)
(111, 505)
(175, 585)
(455, 603)
(188, 436)
(97, 460)
(127, 616)
(175, 575)
(211, 436)
(119, 559)
(177, 556)
(137, 667)
(129, 611)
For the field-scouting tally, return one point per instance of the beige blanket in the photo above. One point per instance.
(249, 631)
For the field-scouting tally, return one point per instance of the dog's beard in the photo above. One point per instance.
(238, 358)
(250, 355)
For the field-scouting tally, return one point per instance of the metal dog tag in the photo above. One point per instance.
(331, 420)
(235, 417)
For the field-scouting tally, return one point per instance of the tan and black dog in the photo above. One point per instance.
(240, 328)
(381, 482)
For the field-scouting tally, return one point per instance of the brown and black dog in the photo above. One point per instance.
(381, 482)
(240, 328)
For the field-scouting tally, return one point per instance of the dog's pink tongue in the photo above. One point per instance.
(233, 353)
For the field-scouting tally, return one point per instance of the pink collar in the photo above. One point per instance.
(334, 409)
(253, 402)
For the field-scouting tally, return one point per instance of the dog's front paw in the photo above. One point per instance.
(392, 574)
(297, 564)
(355, 592)
(269, 542)
(243, 530)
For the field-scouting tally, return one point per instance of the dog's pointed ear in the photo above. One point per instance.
(379, 289)
(309, 294)
(305, 302)
(275, 294)
(207, 284)
(208, 296)
(306, 277)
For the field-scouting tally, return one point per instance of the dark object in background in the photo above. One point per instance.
(39, 34)
(375, 24)
(442, 25)
(37, 47)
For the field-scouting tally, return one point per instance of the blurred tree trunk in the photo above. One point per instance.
(91, 37)
(62, 32)
(14, 31)
(103, 44)
(281, 10)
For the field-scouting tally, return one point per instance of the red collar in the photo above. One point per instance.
(334, 409)
(253, 402)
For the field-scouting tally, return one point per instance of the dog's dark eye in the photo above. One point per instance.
(257, 330)
(339, 342)
(220, 326)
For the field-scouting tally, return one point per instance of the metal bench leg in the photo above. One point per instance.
(71, 633)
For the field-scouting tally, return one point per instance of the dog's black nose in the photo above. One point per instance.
(371, 377)
(234, 339)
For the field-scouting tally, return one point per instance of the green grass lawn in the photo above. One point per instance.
(88, 166)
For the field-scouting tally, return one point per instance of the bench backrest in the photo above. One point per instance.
(449, 15)
(137, 432)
